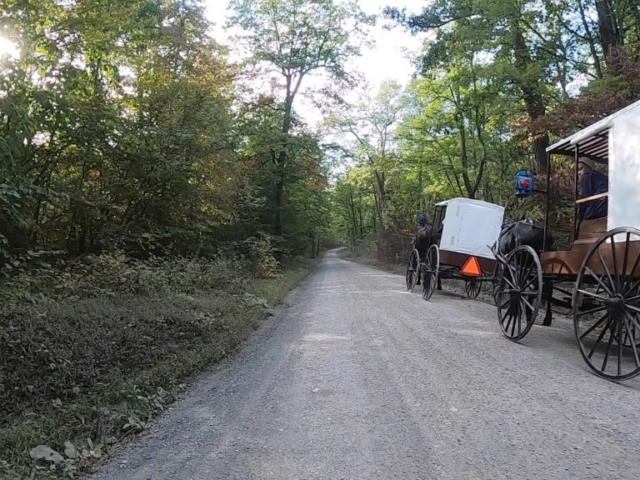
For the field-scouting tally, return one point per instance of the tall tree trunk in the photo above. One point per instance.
(531, 94)
(611, 36)
(592, 42)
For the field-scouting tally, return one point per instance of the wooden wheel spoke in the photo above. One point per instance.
(516, 318)
(512, 273)
(520, 321)
(591, 294)
(524, 274)
(506, 327)
(633, 340)
(506, 313)
(525, 302)
(601, 336)
(595, 325)
(633, 308)
(506, 293)
(593, 310)
(634, 318)
(606, 269)
(615, 262)
(520, 266)
(606, 356)
(507, 280)
(623, 274)
(630, 278)
(620, 346)
(532, 277)
(529, 294)
(600, 282)
(504, 305)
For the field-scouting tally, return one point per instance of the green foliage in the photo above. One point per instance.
(262, 253)
(120, 131)
(290, 40)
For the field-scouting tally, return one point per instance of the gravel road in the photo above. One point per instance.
(357, 379)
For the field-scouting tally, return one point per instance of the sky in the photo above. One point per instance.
(389, 59)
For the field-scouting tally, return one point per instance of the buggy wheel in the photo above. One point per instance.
(472, 287)
(519, 292)
(608, 332)
(430, 272)
(413, 267)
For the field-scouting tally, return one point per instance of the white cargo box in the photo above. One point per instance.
(471, 226)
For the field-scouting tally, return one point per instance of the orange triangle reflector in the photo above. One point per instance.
(471, 267)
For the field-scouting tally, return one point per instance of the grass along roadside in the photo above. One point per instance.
(81, 377)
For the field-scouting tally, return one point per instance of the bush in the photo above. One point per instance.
(114, 274)
(262, 253)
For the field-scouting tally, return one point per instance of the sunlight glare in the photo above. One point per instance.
(8, 48)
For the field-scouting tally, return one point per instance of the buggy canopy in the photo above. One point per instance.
(470, 226)
(614, 140)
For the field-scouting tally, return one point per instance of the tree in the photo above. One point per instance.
(506, 32)
(294, 39)
(369, 123)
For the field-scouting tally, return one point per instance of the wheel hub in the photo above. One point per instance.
(615, 304)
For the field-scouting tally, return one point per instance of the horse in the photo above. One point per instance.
(525, 231)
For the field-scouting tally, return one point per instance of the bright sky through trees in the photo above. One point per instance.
(389, 59)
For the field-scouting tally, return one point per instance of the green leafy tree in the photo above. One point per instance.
(291, 40)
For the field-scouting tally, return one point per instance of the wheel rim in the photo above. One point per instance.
(608, 332)
(519, 292)
(472, 288)
(430, 272)
(411, 277)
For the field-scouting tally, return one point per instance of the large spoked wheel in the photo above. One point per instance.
(430, 272)
(472, 287)
(413, 266)
(608, 332)
(519, 292)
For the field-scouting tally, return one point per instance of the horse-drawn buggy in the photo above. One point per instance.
(598, 275)
(456, 246)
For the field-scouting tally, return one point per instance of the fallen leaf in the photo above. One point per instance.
(69, 450)
(42, 452)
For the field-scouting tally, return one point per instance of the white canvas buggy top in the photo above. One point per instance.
(470, 226)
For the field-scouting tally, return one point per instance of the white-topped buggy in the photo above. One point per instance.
(457, 247)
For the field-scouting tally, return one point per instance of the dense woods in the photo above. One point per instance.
(126, 126)
(158, 188)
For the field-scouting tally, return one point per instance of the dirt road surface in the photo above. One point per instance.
(358, 379)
